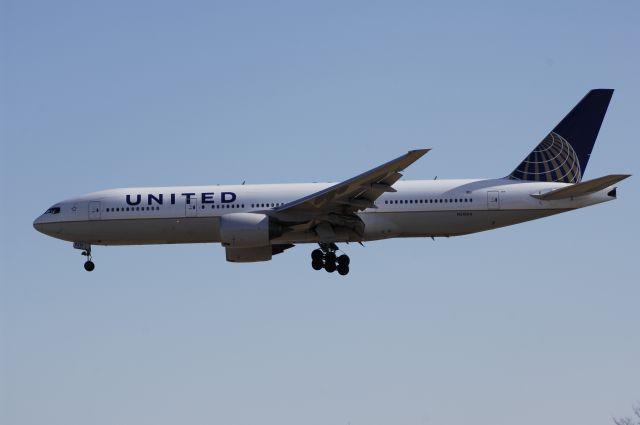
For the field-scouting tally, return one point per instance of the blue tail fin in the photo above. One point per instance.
(563, 155)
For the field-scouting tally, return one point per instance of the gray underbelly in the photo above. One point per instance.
(377, 226)
(445, 223)
(142, 231)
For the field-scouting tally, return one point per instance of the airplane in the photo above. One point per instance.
(255, 222)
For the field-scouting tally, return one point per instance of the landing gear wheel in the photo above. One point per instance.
(330, 257)
(317, 264)
(344, 260)
(326, 258)
(89, 266)
(330, 267)
(317, 254)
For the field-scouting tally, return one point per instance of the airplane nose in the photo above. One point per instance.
(45, 225)
(38, 225)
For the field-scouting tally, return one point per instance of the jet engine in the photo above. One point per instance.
(248, 230)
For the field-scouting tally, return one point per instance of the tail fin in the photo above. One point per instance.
(563, 155)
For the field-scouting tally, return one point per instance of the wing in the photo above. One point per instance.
(352, 195)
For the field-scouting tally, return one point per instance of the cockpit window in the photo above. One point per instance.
(53, 210)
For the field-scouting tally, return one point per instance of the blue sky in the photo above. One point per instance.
(532, 324)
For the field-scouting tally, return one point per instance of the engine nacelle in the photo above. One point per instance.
(248, 230)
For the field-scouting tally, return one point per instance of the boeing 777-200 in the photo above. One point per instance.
(255, 222)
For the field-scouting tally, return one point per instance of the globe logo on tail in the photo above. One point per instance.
(553, 160)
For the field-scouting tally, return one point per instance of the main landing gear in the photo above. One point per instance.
(86, 251)
(325, 258)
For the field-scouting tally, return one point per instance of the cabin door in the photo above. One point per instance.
(94, 210)
(493, 200)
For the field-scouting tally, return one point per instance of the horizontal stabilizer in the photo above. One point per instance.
(583, 188)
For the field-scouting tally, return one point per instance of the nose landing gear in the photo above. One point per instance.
(325, 258)
(86, 251)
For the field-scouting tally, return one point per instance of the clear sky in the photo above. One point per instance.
(536, 323)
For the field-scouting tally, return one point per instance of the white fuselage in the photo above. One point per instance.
(420, 208)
